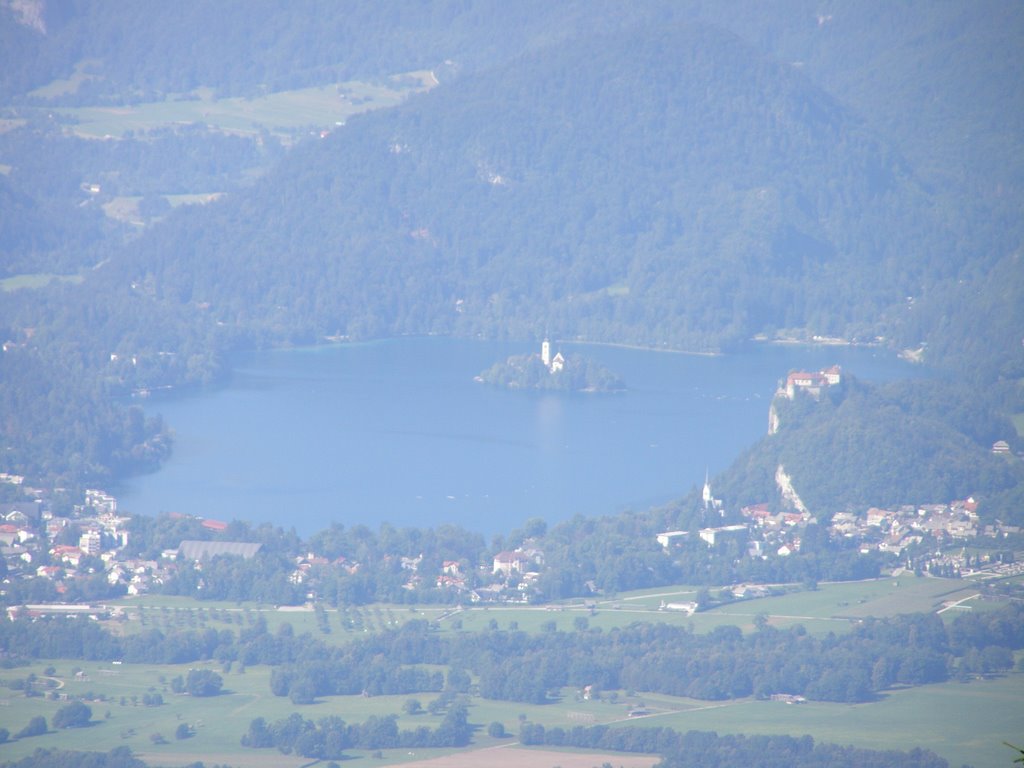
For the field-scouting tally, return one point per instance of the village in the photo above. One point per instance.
(83, 556)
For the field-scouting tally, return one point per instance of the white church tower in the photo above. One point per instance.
(545, 353)
(706, 495)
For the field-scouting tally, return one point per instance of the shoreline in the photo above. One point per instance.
(639, 347)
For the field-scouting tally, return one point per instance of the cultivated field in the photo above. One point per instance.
(519, 757)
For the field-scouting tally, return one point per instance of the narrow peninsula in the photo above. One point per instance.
(572, 373)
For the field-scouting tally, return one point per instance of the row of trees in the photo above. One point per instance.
(696, 749)
(328, 737)
(119, 757)
(516, 666)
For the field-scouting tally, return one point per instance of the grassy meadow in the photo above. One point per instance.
(35, 281)
(282, 113)
(964, 722)
(68, 85)
(855, 600)
(218, 721)
(832, 607)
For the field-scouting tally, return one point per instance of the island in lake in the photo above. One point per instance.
(575, 373)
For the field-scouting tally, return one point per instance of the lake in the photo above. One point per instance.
(398, 431)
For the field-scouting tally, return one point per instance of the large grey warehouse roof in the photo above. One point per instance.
(202, 550)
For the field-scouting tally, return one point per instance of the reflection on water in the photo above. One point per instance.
(550, 424)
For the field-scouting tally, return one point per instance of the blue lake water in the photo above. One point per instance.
(398, 431)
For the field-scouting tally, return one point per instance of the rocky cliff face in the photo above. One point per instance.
(789, 494)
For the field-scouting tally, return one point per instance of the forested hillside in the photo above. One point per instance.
(678, 175)
(900, 443)
(681, 190)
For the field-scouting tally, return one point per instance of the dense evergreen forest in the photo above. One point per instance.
(863, 445)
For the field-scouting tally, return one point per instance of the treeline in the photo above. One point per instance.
(698, 749)
(694, 749)
(119, 757)
(328, 737)
(516, 666)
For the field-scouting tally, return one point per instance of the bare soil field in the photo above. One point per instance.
(518, 757)
(510, 756)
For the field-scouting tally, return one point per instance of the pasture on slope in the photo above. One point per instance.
(283, 113)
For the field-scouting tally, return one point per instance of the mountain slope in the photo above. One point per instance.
(665, 186)
(907, 442)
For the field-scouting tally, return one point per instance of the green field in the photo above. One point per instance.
(856, 599)
(832, 607)
(200, 198)
(69, 85)
(219, 721)
(35, 281)
(282, 113)
(964, 722)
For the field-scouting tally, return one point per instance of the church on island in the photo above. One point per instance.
(553, 364)
(551, 371)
